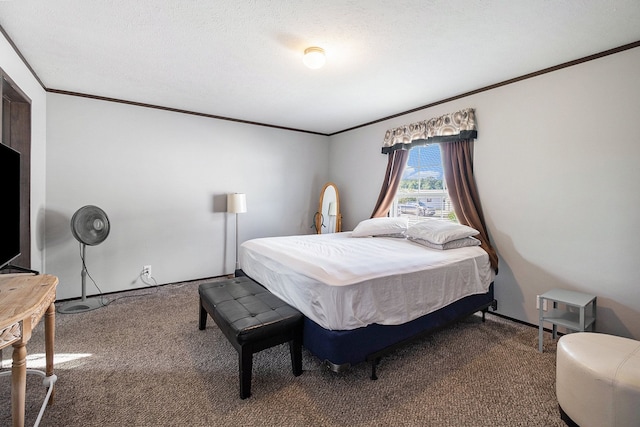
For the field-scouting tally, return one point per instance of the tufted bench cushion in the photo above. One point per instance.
(598, 379)
(252, 319)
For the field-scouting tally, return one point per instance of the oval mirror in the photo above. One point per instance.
(328, 218)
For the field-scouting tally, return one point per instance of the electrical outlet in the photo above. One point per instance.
(146, 271)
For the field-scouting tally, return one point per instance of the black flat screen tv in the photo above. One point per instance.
(9, 205)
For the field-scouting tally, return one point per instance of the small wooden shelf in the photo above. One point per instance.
(572, 310)
(570, 320)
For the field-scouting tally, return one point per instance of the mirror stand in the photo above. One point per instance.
(328, 218)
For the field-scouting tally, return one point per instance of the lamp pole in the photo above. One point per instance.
(236, 203)
(237, 261)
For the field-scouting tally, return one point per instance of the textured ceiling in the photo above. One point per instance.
(243, 59)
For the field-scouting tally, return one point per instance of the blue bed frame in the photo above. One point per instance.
(342, 349)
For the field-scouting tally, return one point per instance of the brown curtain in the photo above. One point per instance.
(395, 167)
(458, 171)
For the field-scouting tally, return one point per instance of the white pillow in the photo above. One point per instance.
(394, 227)
(453, 244)
(440, 232)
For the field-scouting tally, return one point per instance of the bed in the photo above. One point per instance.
(363, 293)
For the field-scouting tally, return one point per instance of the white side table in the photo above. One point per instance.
(577, 312)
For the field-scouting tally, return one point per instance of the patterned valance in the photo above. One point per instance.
(447, 128)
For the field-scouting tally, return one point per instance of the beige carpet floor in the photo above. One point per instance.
(141, 361)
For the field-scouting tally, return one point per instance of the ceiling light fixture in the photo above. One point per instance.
(314, 57)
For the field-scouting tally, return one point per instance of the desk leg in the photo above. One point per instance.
(49, 337)
(540, 327)
(554, 329)
(18, 383)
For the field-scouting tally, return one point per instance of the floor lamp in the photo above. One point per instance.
(236, 203)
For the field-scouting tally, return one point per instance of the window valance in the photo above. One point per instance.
(447, 128)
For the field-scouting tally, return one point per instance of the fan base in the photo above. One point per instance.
(81, 306)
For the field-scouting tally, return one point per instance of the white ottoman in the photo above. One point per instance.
(598, 379)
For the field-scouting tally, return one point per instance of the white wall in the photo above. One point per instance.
(556, 163)
(162, 178)
(545, 146)
(13, 66)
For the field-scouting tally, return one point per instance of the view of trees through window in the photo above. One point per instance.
(423, 192)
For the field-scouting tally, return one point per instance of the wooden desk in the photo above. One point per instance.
(24, 299)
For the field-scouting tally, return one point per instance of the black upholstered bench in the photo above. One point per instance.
(252, 319)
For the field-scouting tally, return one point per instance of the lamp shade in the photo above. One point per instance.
(236, 203)
(333, 209)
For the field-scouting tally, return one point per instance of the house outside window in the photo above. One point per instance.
(422, 193)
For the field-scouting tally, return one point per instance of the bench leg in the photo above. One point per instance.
(296, 357)
(295, 348)
(245, 362)
(202, 323)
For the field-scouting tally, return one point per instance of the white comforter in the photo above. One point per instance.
(343, 282)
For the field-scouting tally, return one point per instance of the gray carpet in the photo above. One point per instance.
(141, 361)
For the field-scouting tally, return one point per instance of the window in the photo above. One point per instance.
(423, 193)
